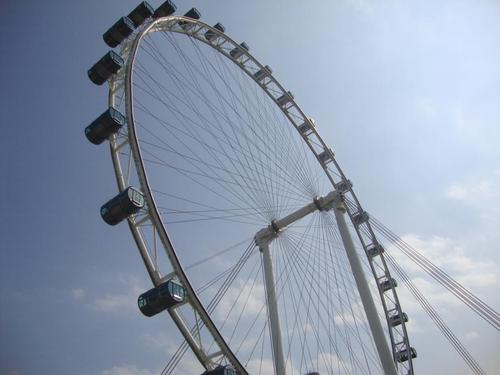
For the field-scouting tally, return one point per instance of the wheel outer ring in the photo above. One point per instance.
(124, 80)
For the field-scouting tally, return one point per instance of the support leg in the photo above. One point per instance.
(365, 294)
(272, 305)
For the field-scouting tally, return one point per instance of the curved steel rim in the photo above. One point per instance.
(223, 44)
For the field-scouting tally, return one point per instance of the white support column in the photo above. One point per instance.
(263, 238)
(266, 235)
(272, 306)
(365, 294)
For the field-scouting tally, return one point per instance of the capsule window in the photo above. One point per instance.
(193, 14)
(122, 206)
(304, 128)
(238, 51)
(110, 122)
(176, 291)
(162, 297)
(221, 370)
(326, 156)
(153, 295)
(117, 116)
(361, 217)
(108, 65)
(118, 32)
(141, 12)
(137, 197)
(165, 9)
(164, 290)
(262, 73)
(375, 250)
(142, 302)
(402, 355)
(344, 186)
(285, 98)
(210, 35)
(397, 319)
(387, 284)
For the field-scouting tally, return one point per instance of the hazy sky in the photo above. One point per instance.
(406, 93)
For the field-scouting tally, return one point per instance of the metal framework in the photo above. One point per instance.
(265, 236)
(121, 86)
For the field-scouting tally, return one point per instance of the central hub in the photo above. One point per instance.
(269, 233)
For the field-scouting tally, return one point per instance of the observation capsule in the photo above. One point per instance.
(306, 127)
(262, 73)
(118, 32)
(162, 297)
(396, 319)
(326, 156)
(210, 35)
(128, 202)
(344, 186)
(141, 13)
(285, 98)
(165, 9)
(192, 13)
(221, 370)
(387, 284)
(361, 217)
(375, 250)
(402, 355)
(236, 52)
(101, 128)
(108, 65)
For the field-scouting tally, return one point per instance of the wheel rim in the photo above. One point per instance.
(127, 163)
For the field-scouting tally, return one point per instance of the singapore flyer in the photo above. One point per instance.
(249, 229)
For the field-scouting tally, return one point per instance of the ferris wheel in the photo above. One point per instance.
(252, 235)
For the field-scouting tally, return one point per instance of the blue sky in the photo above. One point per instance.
(406, 93)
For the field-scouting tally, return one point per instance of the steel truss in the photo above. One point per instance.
(125, 144)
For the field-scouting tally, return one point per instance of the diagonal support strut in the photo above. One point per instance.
(263, 239)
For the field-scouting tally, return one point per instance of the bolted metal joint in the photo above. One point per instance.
(265, 236)
(328, 202)
(334, 199)
(317, 203)
(274, 226)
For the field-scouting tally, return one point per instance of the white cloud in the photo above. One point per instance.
(480, 196)
(451, 257)
(472, 335)
(253, 297)
(327, 362)
(159, 341)
(115, 303)
(347, 318)
(471, 193)
(440, 298)
(480, 193)
(187, 366)
(457, 192)
(162, 342)
(481, 277)
(78, 294)
(256, 366)
(122, 300)
(330, 362)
